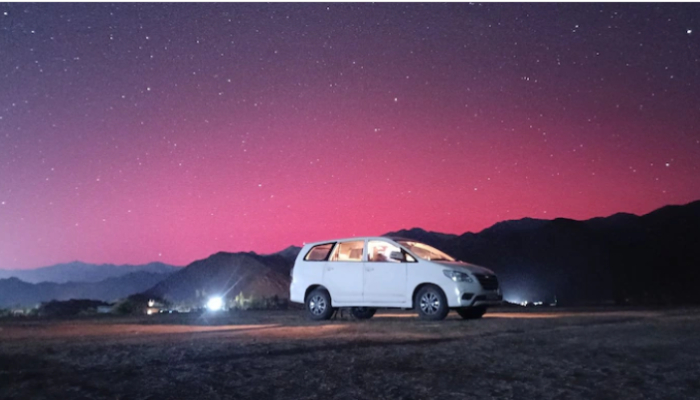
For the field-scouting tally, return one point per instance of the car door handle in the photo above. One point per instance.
(329, 268)
(369, 269)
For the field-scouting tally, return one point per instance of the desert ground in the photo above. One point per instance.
(509, 354)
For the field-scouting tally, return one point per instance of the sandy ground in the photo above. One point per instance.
(527, 354)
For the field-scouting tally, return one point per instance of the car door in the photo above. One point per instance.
(343, 273)
(385, 277)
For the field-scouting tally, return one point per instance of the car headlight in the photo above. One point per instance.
(457, 276)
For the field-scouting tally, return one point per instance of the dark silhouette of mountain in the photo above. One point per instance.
(424, 236)
(228, 275)
(290, 253)
(519, 225)
(17, 293)
(654, 258)
(82, 272)
(614, 221)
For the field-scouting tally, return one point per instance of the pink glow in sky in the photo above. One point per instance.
(132, 133)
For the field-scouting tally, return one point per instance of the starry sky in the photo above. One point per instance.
(132, 133)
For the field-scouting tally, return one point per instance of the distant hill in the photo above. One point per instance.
(290, 253)
(654, 258)
(82, 272)
(228, 274)
(623, 258)
(14, 292)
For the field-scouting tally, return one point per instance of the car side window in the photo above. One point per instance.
(348, 251)
(381, 251)
(319, 252)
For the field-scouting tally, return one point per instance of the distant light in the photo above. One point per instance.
(215, 304)
(689, 31)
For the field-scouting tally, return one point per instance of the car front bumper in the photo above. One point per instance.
(472, 295)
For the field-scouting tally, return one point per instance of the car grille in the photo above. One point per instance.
(488, 282)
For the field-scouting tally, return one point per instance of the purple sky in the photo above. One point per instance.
(132, 133)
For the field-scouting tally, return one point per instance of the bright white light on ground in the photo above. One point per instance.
(215, 304)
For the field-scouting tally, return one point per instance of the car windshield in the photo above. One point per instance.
(425, 252)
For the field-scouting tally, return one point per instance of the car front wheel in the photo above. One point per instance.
(318, 305)
(471, 312)
(431, 303)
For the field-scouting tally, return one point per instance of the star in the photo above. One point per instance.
(689, 31)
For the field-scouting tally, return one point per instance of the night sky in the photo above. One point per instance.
(132, 133)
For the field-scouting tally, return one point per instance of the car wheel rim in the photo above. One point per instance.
(317, 305)
(430, 303)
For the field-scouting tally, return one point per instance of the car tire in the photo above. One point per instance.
(318, 305)
(471, 312)
(431, 304)
(363, 312)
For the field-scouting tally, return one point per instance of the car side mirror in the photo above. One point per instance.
(397, 255)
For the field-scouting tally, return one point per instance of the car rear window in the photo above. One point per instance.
(319, 252)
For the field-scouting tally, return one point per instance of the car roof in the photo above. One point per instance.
(354, 238)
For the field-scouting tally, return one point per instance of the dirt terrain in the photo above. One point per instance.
(509, 354)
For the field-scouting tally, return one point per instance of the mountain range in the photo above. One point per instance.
(228, 275)
(77, 271)
(623, 258)
(17, 293)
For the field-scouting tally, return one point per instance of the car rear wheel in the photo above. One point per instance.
(318, 304)
(431, 303)
(471, 312)
(363, 312)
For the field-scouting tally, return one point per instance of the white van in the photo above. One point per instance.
(367, 273)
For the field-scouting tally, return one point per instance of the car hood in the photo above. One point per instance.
(460, 265)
